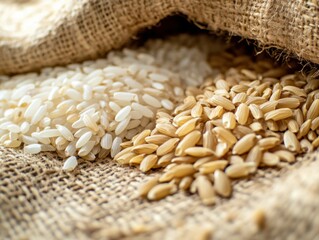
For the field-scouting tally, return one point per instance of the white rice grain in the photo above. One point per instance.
(65, 132)
(32, 108)
(125, 96)
(70, 164)
(106, 141)
(116, 148)
(122, 126)
(39, 114)
(152, 101)
(123, 114)
(32, 148)
(50, 133)
(83, 139)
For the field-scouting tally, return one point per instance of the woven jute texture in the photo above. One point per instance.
(98, 200)
(37, 33)
(38, 201)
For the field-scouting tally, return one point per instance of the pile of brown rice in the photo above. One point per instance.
(252, 115)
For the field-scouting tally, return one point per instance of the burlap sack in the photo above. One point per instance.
(35, 33)
(98, 201)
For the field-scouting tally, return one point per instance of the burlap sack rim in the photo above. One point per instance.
(262, 26)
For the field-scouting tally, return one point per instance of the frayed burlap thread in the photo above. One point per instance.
(98, 201)
(73, 31)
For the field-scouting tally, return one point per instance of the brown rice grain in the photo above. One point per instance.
(256, 126)
(255, 100)
(278, 114)
(212, 166)
(306, 146)
(222, 184)
(209, 139)
(187, 127)
(313, 111)
(268, 143)
(268, 106)
(288, 102)
(285, 155)
(272, 125)
(217, 112)
(312, 135)
(275, 95)
(229, 121)
(157, 139)
(147, 186)
(244, 144)
(205, 190)
(136, 160)
(203, 160)
(315, 142)
(166, 159)
(185, 183)
(167, 147)
(304, 129)
(166, 129)
(188, 141)
(242, 113)
(140, 138)
(199, 152)
(179, 121)
(237, 171)
(217, 100)
(239, 98)
(167, 176)
(295, 90)
(270, 159)
(197, 111)
(254, 155)
(185, 159)
(293, 125)
(255, 111)
(225, 135)
(221, 149)
(148, 162)
(182, 170)
(160, 191)
(291, 142)
(235, 159)
(121, 153)
(315, 124)
(125, 159)
(299, 116)
(144, 148)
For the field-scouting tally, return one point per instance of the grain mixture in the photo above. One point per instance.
(219, 116)
(87, 110)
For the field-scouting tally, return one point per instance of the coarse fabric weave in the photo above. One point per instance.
(98, 200)
(37, 33)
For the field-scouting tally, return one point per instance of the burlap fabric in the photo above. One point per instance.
(46, 33)
(38, 201)
(98, 201)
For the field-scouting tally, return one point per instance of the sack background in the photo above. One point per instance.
(98, 200)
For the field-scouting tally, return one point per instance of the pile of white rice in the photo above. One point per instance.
(87, 110)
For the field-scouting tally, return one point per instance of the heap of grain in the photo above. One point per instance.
(227, 128)
(86, 110)
(251, 114)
